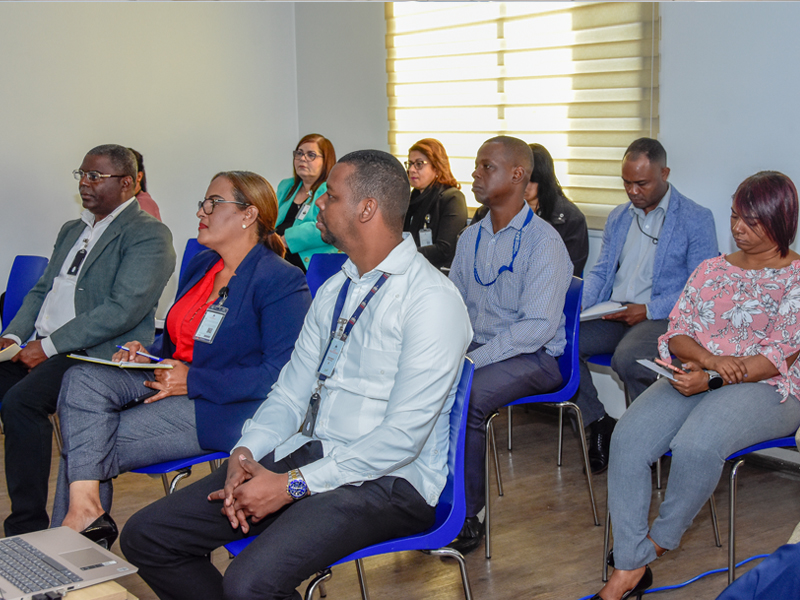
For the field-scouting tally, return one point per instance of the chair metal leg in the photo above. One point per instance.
(732, 522)
(606, 545)
(658, 473)
(560, 432)
(182, 474)
(215, 464)
(585, 450)
(509, 428)
(487, 517)
(57, 432)
(165, 483)
(362, 580)
(462, 565)
(496, 461)
(317, 581)
(712, 506)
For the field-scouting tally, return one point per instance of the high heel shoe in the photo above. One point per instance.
(638, 590)
(102, 531)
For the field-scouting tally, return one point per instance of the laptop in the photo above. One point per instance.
(54, 560)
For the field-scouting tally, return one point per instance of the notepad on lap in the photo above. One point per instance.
(654, 367)
(602, 309)
(9, 352)
(121, 365)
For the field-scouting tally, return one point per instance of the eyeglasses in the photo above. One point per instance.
(417, 164)
(208, 204)
(309, 156)
(92, 176)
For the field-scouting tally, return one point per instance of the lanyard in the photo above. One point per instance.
(335, 343)
(514, 251)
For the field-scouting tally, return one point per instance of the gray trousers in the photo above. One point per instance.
(627, 345)
(701, 430)
(101, 441)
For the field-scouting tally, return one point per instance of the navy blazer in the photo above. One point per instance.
(229, 379)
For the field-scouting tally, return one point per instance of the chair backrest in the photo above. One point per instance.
(569, 361)
(322, 267)
(192, 248)
(25, 272)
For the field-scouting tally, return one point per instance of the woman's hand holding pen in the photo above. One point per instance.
(169, 382)
(129, 353)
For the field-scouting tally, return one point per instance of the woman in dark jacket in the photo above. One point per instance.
(221, 369)
(437, 212)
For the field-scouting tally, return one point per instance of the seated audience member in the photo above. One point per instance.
(217, 381)
(737, 332)
(314, 157)
(545, 196)
(513, 271)
(146, 202)
(437, 212)
(101, 287)
(332, 461)
(650, 247)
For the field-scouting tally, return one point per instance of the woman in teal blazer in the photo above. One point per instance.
(314, 158)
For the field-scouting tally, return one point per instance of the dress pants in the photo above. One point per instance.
(28, 398)
(494, 386)
(169, 539)
(627, 345)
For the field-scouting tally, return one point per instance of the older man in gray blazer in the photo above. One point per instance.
(100, 289)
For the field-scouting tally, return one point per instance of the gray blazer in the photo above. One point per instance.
(117, 289)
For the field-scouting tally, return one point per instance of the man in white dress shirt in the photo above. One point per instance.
(345, 452)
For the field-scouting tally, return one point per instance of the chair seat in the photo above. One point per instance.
(181, 463)
(603, 360)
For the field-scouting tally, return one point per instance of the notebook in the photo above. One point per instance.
(58, 560)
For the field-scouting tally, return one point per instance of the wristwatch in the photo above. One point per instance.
(715, 380)
(296, 487)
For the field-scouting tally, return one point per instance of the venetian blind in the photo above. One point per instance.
(579, 78)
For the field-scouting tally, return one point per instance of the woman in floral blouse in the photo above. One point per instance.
(736, 331)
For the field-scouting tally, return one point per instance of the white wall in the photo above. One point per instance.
(197, 88)
(729, 97)
(341, 73)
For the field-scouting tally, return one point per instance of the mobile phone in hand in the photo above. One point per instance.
(139, 399)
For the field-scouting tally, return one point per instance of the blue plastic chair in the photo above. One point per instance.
(183, 466)
(570, 373)
(738, 457)
(25, 272)
(322, 267)
(450, 511)
(192, 248)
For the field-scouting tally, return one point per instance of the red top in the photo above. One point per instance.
(186, 314)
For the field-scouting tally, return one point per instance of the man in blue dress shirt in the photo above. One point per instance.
(513, 270)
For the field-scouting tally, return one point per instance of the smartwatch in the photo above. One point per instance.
(715, 380)
(296, 487)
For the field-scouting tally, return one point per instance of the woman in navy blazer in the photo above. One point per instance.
(219, 375)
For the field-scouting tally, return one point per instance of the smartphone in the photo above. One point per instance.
(139, 399)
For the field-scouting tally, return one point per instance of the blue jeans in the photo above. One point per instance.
(701, 430)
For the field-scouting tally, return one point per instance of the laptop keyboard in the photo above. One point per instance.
(29, 569)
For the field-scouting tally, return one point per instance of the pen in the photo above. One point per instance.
(671, 366)
(145, 354)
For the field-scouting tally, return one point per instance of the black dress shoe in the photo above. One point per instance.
(102, 531)
(470, 536)
(638, 590)
(600, 443)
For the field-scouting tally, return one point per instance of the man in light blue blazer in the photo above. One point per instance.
(100, 289)
(651, 245)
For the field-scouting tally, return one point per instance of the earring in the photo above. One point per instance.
(244, 225)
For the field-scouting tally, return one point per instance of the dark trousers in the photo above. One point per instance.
(168, 539)
(28, 398)
(494, 386)
(628, 344)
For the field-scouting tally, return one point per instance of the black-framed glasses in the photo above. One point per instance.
(417, 164)
(92, 176)
(208, 204)
(309, 156)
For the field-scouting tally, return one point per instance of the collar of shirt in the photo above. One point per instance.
(516, 223)
(395, 263)
(663, 204)
(88, 217)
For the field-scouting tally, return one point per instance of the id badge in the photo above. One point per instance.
(210, 324)
(425, 237)
(331, 356)
(301, 214)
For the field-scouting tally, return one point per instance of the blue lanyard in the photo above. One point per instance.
(514, 252)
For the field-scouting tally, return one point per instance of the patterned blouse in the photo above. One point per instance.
(737, 312)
